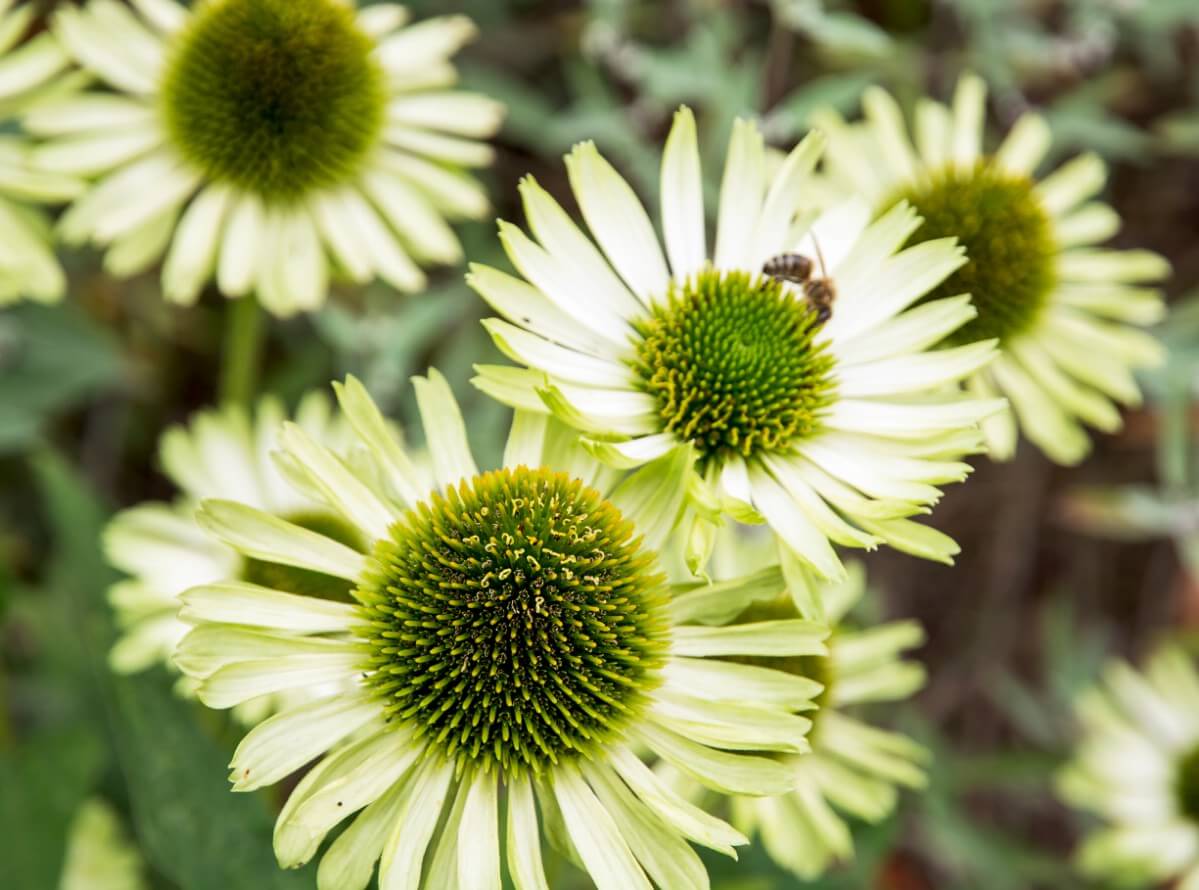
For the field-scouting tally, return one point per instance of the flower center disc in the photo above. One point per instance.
(1009, 247)
(732, 362)
(514, 620)
(277, 97)
(1186, 786)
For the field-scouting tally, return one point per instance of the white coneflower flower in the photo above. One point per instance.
(1062, 308)
(224, 453)
(853, 767)
(832, 429)
(1137, 767)
(268, 143)
(511, 640)
(30, 71)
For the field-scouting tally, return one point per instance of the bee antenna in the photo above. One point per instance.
(820, 256)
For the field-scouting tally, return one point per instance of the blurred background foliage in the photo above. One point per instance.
(1061, 568)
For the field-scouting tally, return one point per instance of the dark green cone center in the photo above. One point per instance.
(1009, 246)
(734, 365)
(515, 620)
(277, 97)
(1186, 785)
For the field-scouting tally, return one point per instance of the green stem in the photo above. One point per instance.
(243, 340)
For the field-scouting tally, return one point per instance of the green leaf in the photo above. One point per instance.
(191, 827)
(840, 91)
(51, 358)
(43, 784)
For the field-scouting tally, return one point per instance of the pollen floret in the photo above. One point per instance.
(1064, 310)
(267, 144)
(815, 405)
(512, 638)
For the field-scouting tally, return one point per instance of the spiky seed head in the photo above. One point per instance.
(514, 620)
(735, 363)
(276, 97)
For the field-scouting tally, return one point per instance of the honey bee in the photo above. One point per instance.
(797, 269)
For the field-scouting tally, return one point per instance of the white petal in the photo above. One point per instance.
(478, 835)
(267, 537)
(410, 214)
(523, 304)
(887, 120)
(282, 744)
(426, 42)
(416, 818)
(237, 266)
(451, 111)
(445, 430)
(350, 859)
(791, 524)
(934, 126)
(557, 282)
(659, 848)
(193, 254)
(682, 198)
(355, 776)
(246, 680)
(593, 281)
(1025, 146)
(1072, 183)
(605, 854)
(558, 361)
(524, 839)
(718, 770)
(691, 821)
(370, 425)
(784, 637)
(784, 199)
(340, 487)
(235, 602)
(969, 109)
(618, 221)
(741, 192)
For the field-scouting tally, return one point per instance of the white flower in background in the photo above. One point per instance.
(224, 453)
(853, 769)
(1137, 767)
(268, 143)
(830, 431)
(512, 641)
(99, 855)
(1062, 308)
(31, 70)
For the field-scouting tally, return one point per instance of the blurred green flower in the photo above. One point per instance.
(853, 768)
(99, 855)
(225, 453)
(830, 428)
(1062, 309)
(268, 144)
(512, 637)
(1137, 767)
